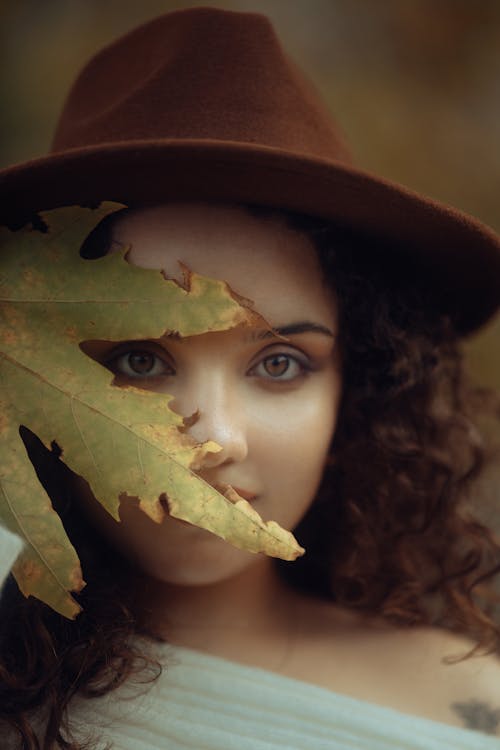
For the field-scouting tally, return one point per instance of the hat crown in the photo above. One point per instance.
(204, 105)
(198, 74)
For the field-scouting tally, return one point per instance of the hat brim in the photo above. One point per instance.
(460, 255)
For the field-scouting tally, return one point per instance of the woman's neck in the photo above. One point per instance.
(251, 610)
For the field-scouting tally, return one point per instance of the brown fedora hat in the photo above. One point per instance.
(203, 104)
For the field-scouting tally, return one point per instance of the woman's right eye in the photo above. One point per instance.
(139, 363)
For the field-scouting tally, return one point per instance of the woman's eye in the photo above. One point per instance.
(280, 367)
(139, 364)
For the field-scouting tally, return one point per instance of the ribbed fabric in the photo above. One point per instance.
(203, 702)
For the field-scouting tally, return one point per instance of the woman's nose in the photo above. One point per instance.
(219, 417)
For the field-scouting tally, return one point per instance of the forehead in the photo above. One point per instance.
(260, 258)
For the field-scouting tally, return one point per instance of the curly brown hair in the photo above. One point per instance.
(403, 541)
(397, 539)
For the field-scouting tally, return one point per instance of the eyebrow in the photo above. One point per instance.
(293, 329)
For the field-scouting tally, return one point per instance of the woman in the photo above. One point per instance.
(345, 417)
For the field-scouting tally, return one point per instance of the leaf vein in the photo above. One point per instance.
(141, 463)
(82, 436)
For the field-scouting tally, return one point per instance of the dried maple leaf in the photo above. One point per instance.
(121, 440)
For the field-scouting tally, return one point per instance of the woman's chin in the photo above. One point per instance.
(209, 562)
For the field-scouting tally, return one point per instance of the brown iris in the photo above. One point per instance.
(276, 365)
(141, 362)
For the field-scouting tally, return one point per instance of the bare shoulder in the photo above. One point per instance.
(458, 655)
(471, 683)
(448, 682)
(424, 671)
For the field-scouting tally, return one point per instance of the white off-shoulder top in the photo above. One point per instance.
(203, 702)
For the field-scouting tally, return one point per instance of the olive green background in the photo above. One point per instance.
(415, 84)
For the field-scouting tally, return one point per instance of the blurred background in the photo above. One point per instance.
(415, 84)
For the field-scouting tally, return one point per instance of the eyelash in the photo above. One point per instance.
(290, 360)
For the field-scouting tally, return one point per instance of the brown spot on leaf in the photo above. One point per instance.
(10, 337)
(29, 276)
(30, 571)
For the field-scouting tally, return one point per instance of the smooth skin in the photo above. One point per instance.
(271, 403)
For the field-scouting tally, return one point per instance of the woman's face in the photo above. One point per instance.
(270, 404)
